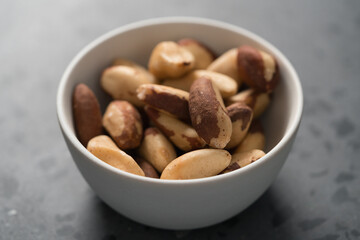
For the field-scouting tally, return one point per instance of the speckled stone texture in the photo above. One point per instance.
(317, 194)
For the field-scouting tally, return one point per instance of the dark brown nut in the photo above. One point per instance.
(106, 150)
(241, 116)
(208, 114)
(257, 101)
(179, 133)
(123, 122)
(242, 159)
(167, 99)
(203, 55)
(148, 169)
(227, 65)
(226, 85)
(257, 69)
(121, 83)
(142, 70)
(170, 60)
(157, 149)
(87, 114)
(197, 164)
(254, 139)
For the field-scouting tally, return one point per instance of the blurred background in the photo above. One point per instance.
(317, 194)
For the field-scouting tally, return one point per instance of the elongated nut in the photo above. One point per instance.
(148, 169)
(121, 83)
(123, 122)
(145, 73)
(179, 133)
(157, 149)
(197, 164)
(203, 55)
(254, 139)
(106, 150)
(169, 60)
(87, 114)
(257, 69)
(208, 114)
(227, 64)
(257, 101)
(241, 116)
(242, 159)
(170, 100)
(226, 85)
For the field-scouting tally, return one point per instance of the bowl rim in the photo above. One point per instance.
(291, 130)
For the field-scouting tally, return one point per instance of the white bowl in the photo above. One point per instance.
(182, 204)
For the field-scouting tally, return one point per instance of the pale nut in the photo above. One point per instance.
(208, 114)
(226, 85)
(254, 139)
(145, 73)
(227, 65)
(202, 54)
(157, 149)
(148, 169)
(243, 159)
(87, 114)
(197, 164)
(121, 82)
(106, 150)
(180, 134)
(167, 99)
(257, 69)
(241, 116)
(123, 122)
(170, 60)
(257, 101)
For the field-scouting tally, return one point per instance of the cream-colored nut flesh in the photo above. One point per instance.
(227, 65)
(121, 82)
(170, 60)
(148, 169)
(257, 101)
(241, 116)
(254, 139)
(242, 159)
(269, 65)
(208, 114)
(226, 85)
(197, 164)
(142, 70)
(106, 150)
(203, 55)
(156, 149)
(167, 99)
(123, 123)
(180, 134)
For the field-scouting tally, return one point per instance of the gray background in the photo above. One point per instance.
(316, 195)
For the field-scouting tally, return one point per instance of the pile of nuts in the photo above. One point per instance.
(176, 118)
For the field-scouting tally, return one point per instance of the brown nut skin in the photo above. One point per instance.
(227, 64)
(142, 70)
(226, 85)
(148, 169)
(243, 159)
(241, 116)
(257, 101)
(180, 134)
(208, 114)
(167, 99)
(123, 122)
(203, 55)
(257, 69)
(87, 114)
(254, 139)
(197, 164)
(106, 150)
(121, 82)
(170, 60)
(156, 149)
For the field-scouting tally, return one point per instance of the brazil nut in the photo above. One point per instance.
(243, 159)
(202, 54)
(254, 139)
